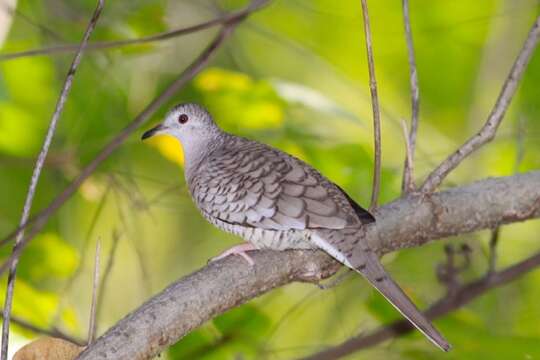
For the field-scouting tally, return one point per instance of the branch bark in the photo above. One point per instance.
(219, 286)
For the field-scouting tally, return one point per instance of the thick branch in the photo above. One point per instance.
(488, 131)
(227, 283)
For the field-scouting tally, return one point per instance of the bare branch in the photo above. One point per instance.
(375, 108)
(493, 241)
(194, 68)
(80, 265)
(36, 175)
(107, 272)
(12, 10)
(408, 171)
(459, 298)
(408, 175)
(53, 332)
(167, 35)
(338, 279)
(227, 283)
(488, 131)
(95, 290)
(448, 273)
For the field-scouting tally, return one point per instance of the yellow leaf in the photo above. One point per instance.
(263, 115)
(218, 79)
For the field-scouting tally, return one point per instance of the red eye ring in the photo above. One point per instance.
(182, 119)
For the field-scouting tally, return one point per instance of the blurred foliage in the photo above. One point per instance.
(294, 76)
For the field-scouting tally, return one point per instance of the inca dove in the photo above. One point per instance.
(276, 201)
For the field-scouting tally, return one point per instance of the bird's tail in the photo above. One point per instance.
(374, 272)
(344, 245)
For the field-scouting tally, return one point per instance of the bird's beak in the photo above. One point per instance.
(153, 131)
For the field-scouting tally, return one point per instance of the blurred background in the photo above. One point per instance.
(293, 75)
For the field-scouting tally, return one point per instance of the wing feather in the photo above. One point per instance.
(251, 184)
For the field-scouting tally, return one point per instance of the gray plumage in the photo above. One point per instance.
(276, 201)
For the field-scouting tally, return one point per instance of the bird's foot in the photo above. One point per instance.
(239, 250)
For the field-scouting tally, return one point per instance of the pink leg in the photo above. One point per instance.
(238, 250)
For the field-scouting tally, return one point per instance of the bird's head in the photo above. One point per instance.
(186, 122)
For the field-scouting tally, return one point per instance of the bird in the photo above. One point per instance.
(273, 200)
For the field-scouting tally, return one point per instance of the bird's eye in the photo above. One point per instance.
(182, 119)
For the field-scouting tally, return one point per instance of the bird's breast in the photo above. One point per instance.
(264, 238)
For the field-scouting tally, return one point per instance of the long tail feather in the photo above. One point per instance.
(366, 262)
(374, 272)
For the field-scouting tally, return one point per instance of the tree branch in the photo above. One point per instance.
(36, 175)
(451, 302)
(408, 184)
(92, 326)
(219, 286)
(167, 35)
(194, 68)
(488, 131)
(52, 332)
(375, 108)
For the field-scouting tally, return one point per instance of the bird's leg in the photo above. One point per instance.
(238, 250)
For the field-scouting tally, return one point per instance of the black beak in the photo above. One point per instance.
(152, 131)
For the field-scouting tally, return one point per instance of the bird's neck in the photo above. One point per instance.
(196, 149)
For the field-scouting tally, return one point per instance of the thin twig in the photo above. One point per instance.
(141, 259)
(194, 68)
(338, 279)
(36, 174)
(451, 302)
(80, 266)
(408, 175)
(14, 11)
(489, 130)
(167, 35)
(375, 108)
(493, 241)
(408, 171)
(53, 332)
(95, 289)
(107, 272)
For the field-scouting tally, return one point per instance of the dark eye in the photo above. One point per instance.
(182, 119)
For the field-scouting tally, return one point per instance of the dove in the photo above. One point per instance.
(274, 200)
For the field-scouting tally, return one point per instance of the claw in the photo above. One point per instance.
(239, 250)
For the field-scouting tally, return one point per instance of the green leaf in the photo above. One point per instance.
(46, 258)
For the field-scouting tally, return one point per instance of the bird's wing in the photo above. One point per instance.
(252, 184)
